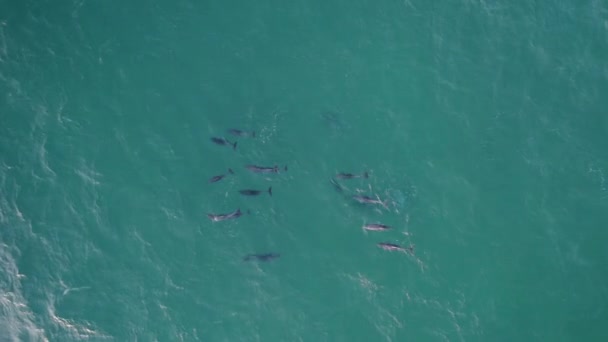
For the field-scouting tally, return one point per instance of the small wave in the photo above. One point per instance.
(79, 331)
(42, 157)
(3, 47)
(88, 175)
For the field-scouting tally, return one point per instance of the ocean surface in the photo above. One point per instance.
(482, 124)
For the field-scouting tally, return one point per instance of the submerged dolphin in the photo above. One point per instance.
(221, 217)
(264, 169)
(241, 133)
(223, 141)
(249, 192)
(344, 175)
(261, 257)
(337, 186)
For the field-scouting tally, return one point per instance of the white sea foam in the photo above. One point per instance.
(17, 321)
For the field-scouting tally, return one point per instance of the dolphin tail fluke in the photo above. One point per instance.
(234, 145)
(270, 191)
(285, 168)
(365, 174)
(230, 171)
(253, 134)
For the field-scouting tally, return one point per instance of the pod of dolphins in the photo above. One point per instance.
(368, 200)
(275, 169)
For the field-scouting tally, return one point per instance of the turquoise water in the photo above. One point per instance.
(483, 125)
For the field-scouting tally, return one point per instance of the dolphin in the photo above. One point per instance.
(220, 177)
(387, 246)
(376, 227)
(221, 217)
(368, 200)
